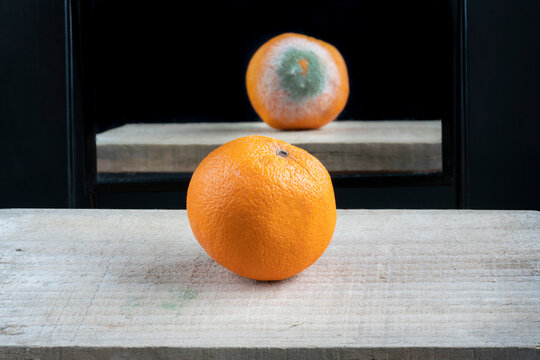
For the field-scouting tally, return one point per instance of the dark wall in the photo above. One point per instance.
(504, 104)
(32, 104)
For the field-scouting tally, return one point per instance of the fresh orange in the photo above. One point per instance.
(262, 208)
(297, 82)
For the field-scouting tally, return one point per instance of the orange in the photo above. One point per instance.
(297, 82)
(262, 208)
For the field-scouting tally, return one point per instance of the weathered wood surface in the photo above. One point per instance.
(364, 146)
(101, 284)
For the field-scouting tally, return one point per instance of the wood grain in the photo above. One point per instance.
(100, 284)
(364, 146)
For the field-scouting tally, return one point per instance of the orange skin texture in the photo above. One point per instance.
(261, 215)
(312, 120)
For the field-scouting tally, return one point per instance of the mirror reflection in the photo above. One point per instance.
(172, 84)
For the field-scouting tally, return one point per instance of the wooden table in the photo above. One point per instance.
(365, 146)
(123, 284)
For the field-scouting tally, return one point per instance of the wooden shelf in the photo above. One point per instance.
(359, 146)
(102, 284)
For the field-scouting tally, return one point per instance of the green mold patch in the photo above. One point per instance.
(301, 74)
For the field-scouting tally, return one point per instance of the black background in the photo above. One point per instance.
(166, 62)
(501, 151)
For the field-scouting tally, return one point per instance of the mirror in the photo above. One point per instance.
(169, 82)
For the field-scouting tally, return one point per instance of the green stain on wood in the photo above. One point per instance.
(133, 301)
(129, 304)
(169, 306)
(190, 294)
(301, 82)
(176, 301)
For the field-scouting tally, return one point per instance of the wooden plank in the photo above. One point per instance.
(361, 146)
(100, 284)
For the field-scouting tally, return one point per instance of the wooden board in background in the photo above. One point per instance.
(360, 146)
